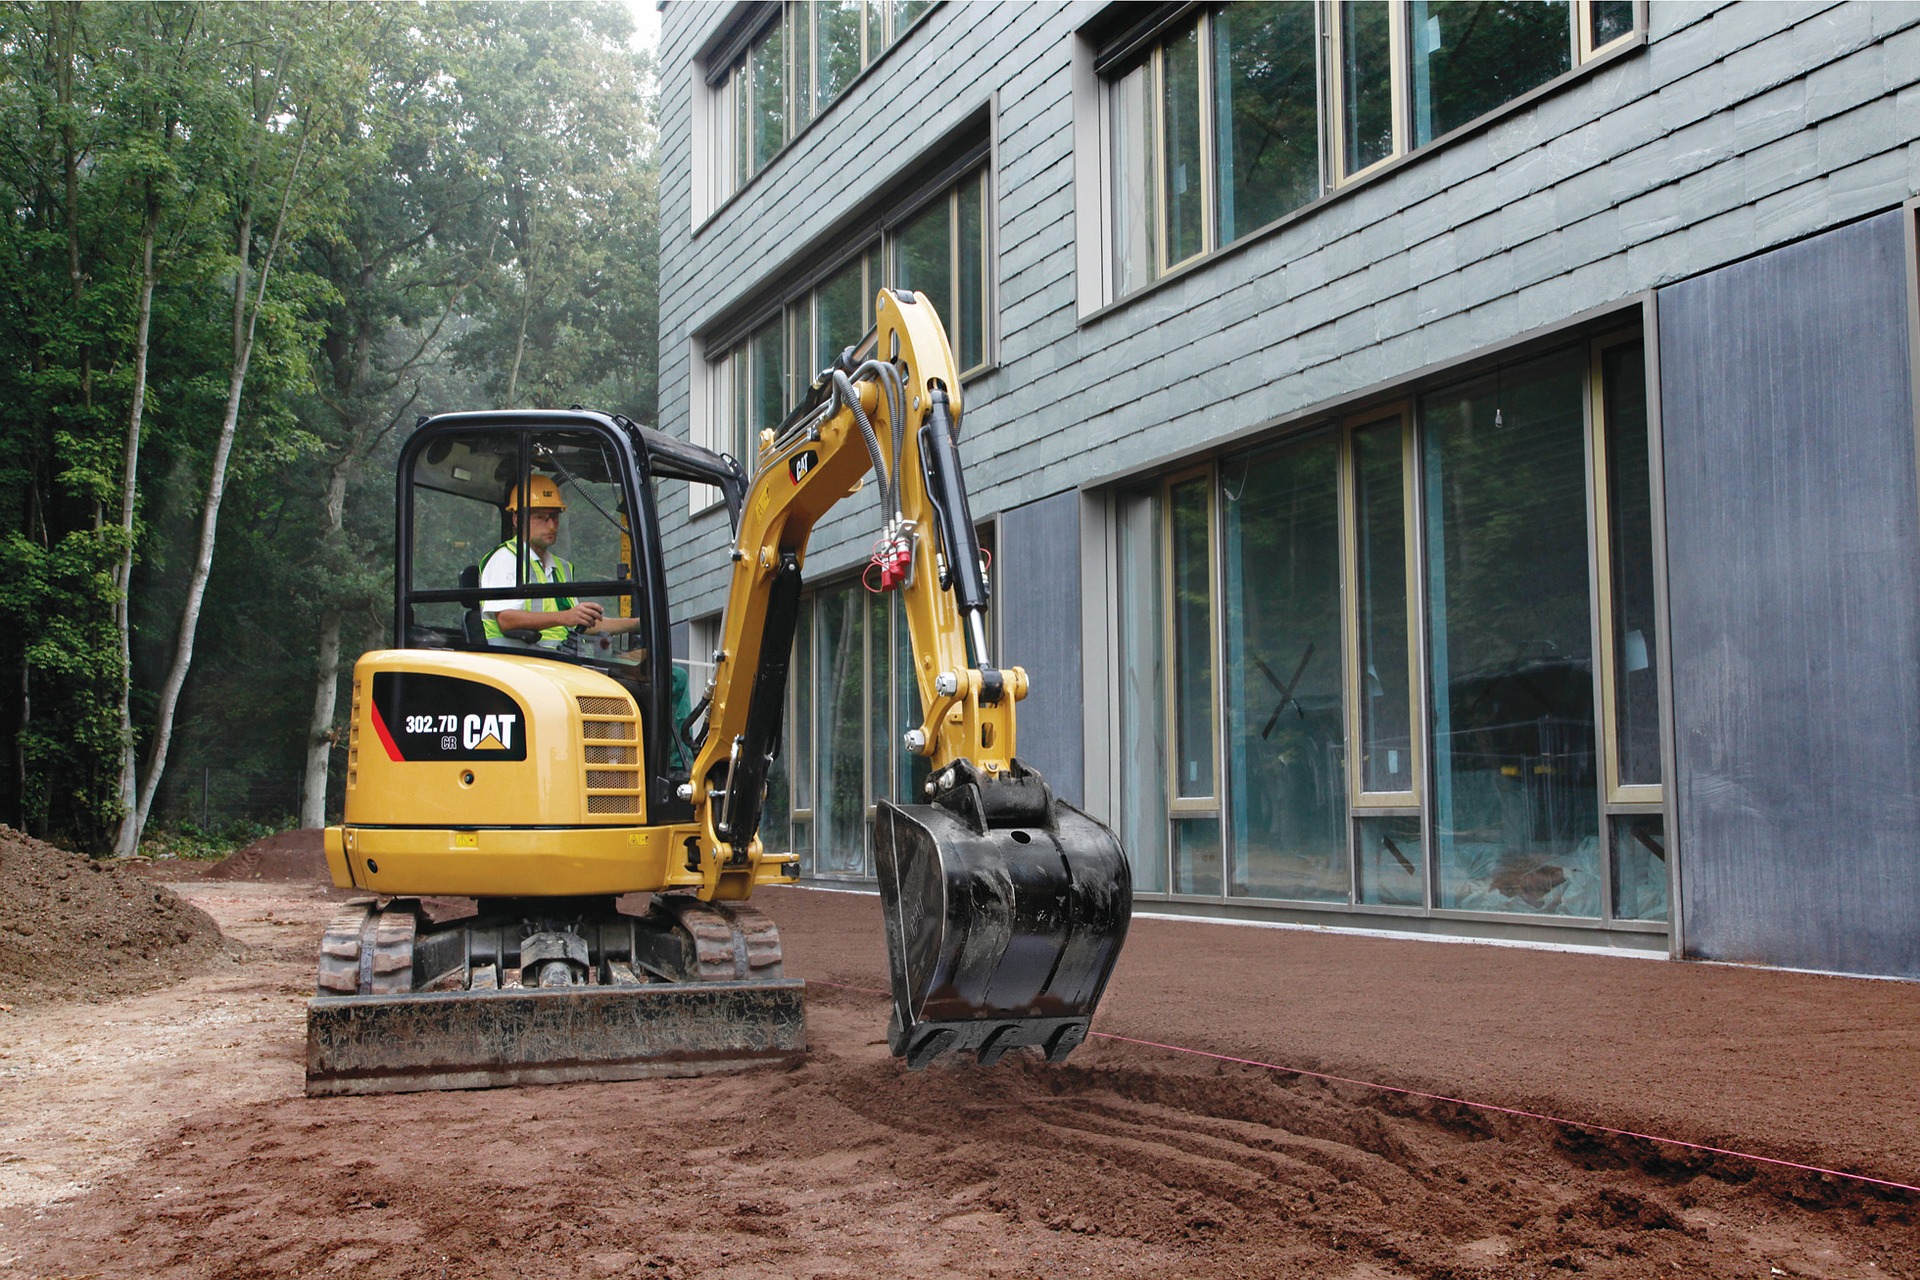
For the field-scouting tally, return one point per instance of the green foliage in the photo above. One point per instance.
(456, 176)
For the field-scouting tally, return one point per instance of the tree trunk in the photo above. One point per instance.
(245, 320)
(326, 669)
(126, 841)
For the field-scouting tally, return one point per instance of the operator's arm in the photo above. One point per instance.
(585, 614)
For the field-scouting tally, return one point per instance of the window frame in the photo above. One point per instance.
(1614, 794)
(1360, 801)
(1614, 805)
(726, 70)
(718, 423)
(1213, 802)
(1113, 61)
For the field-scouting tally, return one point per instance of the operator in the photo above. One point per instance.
(555, 616)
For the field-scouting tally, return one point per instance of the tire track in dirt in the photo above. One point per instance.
(1125, 1162)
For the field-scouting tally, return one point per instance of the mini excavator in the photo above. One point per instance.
(532, 753)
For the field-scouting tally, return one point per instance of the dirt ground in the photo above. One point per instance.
(164, 1133)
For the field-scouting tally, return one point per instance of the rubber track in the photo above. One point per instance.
(733, 942)
(367, 951)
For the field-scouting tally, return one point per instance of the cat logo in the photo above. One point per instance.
(801, 463)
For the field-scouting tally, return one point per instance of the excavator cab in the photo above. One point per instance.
(469, 547)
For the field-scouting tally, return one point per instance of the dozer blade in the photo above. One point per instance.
(1003, 925)
(481, 1040)
(546, 991)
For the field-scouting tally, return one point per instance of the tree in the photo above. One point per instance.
(285, 75)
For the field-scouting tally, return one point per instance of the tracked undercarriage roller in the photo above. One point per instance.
(544, 992)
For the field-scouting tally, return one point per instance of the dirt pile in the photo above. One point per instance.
(288, 857)
(75, 929)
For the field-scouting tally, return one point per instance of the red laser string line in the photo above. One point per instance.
(1477, 1106)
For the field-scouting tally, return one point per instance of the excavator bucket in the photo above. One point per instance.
(1005, 911)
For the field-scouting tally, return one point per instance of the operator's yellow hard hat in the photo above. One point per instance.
(545, 496)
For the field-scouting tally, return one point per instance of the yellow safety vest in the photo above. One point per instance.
(562, 572)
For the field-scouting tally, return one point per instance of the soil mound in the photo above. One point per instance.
(75, 929)
(289, 857)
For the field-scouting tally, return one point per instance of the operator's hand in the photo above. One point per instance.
(583, 615)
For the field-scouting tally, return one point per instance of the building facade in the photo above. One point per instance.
(1451, 466)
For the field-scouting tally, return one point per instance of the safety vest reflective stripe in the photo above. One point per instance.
(562, 572)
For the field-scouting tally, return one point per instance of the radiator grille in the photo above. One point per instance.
(613, 804)
(353, 740)
(613, 720)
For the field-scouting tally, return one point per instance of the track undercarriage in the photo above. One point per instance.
(546, 991)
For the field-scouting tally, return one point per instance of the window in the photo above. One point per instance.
(1217, 126)
(940, 248)
(766, 87)
(1406, 661)
(941, 251)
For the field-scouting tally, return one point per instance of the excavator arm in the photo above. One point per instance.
(1005, 908)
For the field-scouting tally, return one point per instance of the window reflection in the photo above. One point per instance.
(1469, 56)
(1636, 699)
(1281, 530)
(1366, 83)
(840, 813)
(1515, 805)
(1266, 98)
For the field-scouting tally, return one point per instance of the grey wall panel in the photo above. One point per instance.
(1793, 551)
(1037, 593)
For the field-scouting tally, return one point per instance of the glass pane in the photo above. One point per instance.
(1134, 246)
(803, 845)
(1380, 544)
(923, 256)
(1639, 867)
(1192, 640)
(970, 338)
(1180, 181)
(1142, 748)
(769, 388)
(840, 815)
(1281, 542)
(1388, 861)
(769, 107)
(740, 413)
(1611, 20)
(1516, 820)
(1366, 84)
(876, 30)
(1266, 104)
(1636, 700)
(1469, 56)
(800, 37)
(1196, 855)
(905, 11)
(742, 146)
(776, 815)
(836, 54)
(880, 737)
(910, 771)
(797, 353)
(800, 740)
(839, 314)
